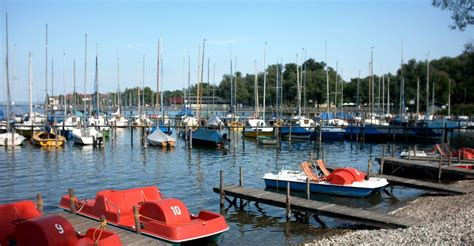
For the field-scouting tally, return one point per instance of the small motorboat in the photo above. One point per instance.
(11, 139)
(22, 223)
(341, 182)
(160, 139)
(265, 140)
(167, 219)
(48, 139)
(87, 136)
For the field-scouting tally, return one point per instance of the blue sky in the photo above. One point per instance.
(131, 29)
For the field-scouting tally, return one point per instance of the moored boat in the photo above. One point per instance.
(160, 139)
(11, 139)
(48, 139)
(22, 223)
(87, 136)
(167, 219)
(256, 127)
(341, 182)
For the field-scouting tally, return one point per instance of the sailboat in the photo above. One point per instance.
(9, 138)
(97, 120)
(88, 135)
(158, 137)
(204, 135)
(300, 127)
(48, 137)
(142, 119)
(74, 120)
(255, 126)
(117, 119)
(28, 126)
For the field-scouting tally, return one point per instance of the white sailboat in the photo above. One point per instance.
(9, 138)
(117, 119)
(158, 138)
(88, 135)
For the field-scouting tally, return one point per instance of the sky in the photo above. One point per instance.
(130, 30)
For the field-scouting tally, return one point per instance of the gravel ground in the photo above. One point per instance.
(446, 220)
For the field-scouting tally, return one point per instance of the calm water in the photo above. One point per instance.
(190, 176)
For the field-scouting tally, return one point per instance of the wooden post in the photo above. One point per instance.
(39, 202)
(221, 188)
(393, 150)
(409, 153)
(414, 153)
(308, 191)
(288, 206)
(190, 138)
(72, 201)
(131, 136)
(459, 155)
(324, 155)
(289, 136)
(241, 181)
(382, 160)
(277, 136)
(145, 142)
(369, 167)
(136, 217)
(449, 160)
(439, 166)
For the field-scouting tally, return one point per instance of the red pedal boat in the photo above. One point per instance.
(167, 219)
(22, 224)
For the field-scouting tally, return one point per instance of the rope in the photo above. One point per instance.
(100, 228)
(77, 205)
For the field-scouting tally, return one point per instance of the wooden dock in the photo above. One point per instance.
(392, 165)
(418, 184)
(367, 217)
(127, 237)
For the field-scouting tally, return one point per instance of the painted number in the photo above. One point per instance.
(176, 210)
(59, 228)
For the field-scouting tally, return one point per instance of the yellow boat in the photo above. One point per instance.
(236, 125)
(48, 139)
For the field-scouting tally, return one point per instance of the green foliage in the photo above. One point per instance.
(462, 12)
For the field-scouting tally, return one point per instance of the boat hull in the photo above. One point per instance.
(252, 132)
(42, 140)
(338, 190)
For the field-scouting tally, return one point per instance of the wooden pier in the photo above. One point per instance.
(367, 217)
(418, 184)
(81, 223)
(391, 165)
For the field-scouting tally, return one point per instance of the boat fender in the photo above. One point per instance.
(45, 230)
(168, 210)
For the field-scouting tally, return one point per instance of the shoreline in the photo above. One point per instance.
(445, 219)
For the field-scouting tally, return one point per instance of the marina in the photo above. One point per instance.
(194, 124)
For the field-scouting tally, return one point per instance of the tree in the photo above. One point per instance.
(462, 12)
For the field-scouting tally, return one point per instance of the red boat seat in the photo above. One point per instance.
(168, 211)
(345, 176)
(13, 213)
(117, 205)
(45, 230)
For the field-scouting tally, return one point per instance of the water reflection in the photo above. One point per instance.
(190, 175)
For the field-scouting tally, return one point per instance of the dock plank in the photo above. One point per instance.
(127, 237)
(368, 217)
(427, 165)
(423, 184)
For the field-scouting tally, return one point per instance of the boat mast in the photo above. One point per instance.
(449, 98)
(256, 90)
(85, 78)
(276, 88)
(143, 86)
(119, 98)
(97, 95)
(383, 92)
(231, 82)
(213, 87)
(158, 57)
(342, 92)
(161, 84)
(427, 115)
(388, 94)
(298, 87)
(327, 80)
(202, 74)
(264, 79)
(235, 86)
(304, 81)
(9, 104)
(46, 75)
(138, 90)
(30, 88)
(74, 86)
(402, 85)
(357, 98)
(64, 84)
(417, 98)
(335, 90)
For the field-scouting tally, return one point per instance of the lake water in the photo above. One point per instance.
(189, 175)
